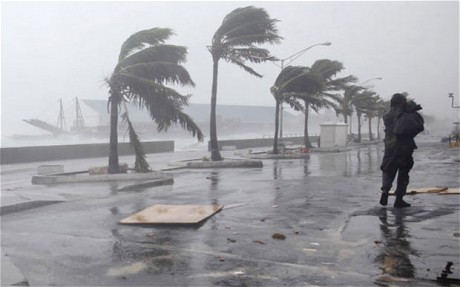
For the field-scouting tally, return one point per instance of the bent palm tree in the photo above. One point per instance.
(235, 42)
(145, 65)
(323, 92)
(346, 103)
(289, 84)
(364, 103)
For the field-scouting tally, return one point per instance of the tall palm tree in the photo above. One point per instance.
(145, 65)
(324, 93)
(236, 41)
(287, 85)
(382, 107)
(364, 102)
(346, 103)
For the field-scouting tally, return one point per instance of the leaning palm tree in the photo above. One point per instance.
(287, 85)
(236, 41)
(346, 103)
(324, 94)
(382, 107)
(364, 102)
(145, 66)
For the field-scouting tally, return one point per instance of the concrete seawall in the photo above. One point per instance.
(60, 152)
(261, 142)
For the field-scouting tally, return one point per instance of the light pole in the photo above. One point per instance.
(287, 61)
(451, 95)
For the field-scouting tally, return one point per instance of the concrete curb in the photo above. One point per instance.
(74, 178)
(11, 276)
(278, 156)
(21, 206)
(225, 163)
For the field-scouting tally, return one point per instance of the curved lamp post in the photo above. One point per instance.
(451, 95)
(287, 61)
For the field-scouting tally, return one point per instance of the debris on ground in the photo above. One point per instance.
(258, 241)
(172, 214)
(278, 236)
(230, 240)
(445, 273)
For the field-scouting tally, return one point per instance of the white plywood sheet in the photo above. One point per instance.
(172, 214)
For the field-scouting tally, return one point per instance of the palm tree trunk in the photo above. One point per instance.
(306, 139)
(215, 154)
(371, 137)
(277, 123)
(378, 127)
(351, 123)
(113, 145)
(359, 126)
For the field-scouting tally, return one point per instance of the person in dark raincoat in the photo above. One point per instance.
(399, 147)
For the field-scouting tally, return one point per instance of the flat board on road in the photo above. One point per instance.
(172, 214)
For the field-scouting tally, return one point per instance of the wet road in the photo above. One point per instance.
(325, 205)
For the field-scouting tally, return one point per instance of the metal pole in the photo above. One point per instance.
(451, 95)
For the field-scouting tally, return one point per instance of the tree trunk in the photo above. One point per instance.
(378, 127)
(306, 139)
(351, 123)
(277, 123)
(371, 137)
(113, 145)
(215, 154)
(359, 126)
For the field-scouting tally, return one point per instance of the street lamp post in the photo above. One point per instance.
(451, 95)
(287, 61)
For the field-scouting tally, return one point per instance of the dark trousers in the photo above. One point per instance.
(398, 161)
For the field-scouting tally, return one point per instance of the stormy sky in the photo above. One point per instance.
(65, 49)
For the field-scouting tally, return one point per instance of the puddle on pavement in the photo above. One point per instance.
(133, 268)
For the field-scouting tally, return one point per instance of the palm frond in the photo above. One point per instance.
(161, 53)
(138, 87)
(160, 72)
(138, 40)
(240, 63)
(140, 164)
(247, 21)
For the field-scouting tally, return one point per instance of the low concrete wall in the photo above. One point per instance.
(60, 152)
(263, 142)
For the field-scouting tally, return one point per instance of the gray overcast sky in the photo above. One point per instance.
(64, 49)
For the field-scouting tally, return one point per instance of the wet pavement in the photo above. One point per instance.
(326, 206)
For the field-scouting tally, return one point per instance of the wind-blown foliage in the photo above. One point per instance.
(145, 65)
(236, 41)
(365, 102)
(140, 164)
(288, 86)
(318, 88)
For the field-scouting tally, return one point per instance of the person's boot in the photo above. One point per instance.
(384, 198)
(400, 203)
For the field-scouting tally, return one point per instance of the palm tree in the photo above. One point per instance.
(322, 92)
(286, 86)
(145, 65)
(364, 102)
(382, 107)
(236, 41)
(371, 112)
(346, 103)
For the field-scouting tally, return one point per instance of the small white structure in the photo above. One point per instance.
(333, 135)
